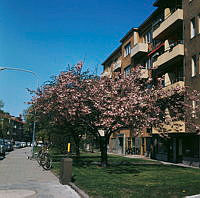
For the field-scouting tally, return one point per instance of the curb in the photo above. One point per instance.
(78, 190)
(193, 196)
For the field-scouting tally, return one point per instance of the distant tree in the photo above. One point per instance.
(1, 104)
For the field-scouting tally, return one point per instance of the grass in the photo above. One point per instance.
(127, 178)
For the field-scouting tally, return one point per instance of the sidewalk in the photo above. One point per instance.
(147, 158)
(21, 178)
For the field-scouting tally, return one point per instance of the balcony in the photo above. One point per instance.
(172, 127)
(144, 73)
(176, 87)
(173, 55)
(139, 49)
(170, 24)
(108, 74)
(117, 65)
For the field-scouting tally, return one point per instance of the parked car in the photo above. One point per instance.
(2, 148)
(17, 145)
(23, 144)
(8, 145)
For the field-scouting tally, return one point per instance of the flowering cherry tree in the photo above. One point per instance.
(108, 104)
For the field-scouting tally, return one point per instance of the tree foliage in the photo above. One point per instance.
(81, 101)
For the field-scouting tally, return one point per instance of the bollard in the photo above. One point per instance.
(66, 171)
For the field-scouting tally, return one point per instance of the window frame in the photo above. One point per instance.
(198, 23)
(127, 70)
(192, 28)
(127, 49)
(194, 66)
(194, 104)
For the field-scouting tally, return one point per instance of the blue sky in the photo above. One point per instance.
(46, 35)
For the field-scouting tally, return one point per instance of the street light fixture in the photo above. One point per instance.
(37, 81)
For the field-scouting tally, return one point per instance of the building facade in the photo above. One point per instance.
(12, 128)
(167, 47)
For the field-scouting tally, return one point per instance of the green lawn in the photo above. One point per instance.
(137, 178)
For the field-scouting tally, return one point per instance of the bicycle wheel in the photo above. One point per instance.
(46, 162)
(38, 157)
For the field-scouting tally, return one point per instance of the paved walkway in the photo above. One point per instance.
(23, 178)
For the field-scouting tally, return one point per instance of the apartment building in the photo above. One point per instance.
(136, 49)
(120, 61)
(167, 46)
(177, 61)
(168, 64)
(191, 15)
(12, 127)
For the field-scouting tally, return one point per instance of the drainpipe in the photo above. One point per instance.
(124, 144)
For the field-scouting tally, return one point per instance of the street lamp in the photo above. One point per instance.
(37, 81)
(2, 127)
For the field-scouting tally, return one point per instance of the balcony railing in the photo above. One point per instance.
(162, 18)
(172, 127)
(173, 81)
(175, 86)
(117, 65)
(174, 50)
(108, 74)
(139, 48)
(167, 23)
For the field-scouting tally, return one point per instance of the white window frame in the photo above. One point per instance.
(127, 70)
(193, 109)
(135, 38)
(198, 18)
(148, 63)
(148, 37)
(127, 49)
(194, 65)
(192, 28)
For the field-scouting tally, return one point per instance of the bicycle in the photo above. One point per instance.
(43, 158)
(129, 151)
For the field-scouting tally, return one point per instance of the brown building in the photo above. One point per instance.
(166, 45)
(177, 60)
(120, 61)
(168, 64)
(11, 127)
(191, 14)
(112, 63)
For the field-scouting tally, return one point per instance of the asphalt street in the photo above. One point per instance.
(24, 178)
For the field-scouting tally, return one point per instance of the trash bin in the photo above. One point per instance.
(66, 171)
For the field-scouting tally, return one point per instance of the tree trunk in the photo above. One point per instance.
(103, 148)
(77, 150)
(77, 145)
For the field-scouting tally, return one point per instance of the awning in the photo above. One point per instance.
(153, 51)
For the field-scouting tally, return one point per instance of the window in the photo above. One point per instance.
(127, 49)
(199, 61)
(148, 37)
(135, 38)
(192, 28)
(127, 71)
(193, 109)
(199, 24)
(194, 66)
(148, 63)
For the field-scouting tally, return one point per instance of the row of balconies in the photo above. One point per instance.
(171, 55)
(161, 31)
(165, 26)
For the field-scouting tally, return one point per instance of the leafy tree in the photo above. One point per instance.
(1, 105)
(78, 100)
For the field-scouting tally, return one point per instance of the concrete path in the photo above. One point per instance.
(23, 178)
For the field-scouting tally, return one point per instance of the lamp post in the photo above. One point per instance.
(37, 81)
(2, 127)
